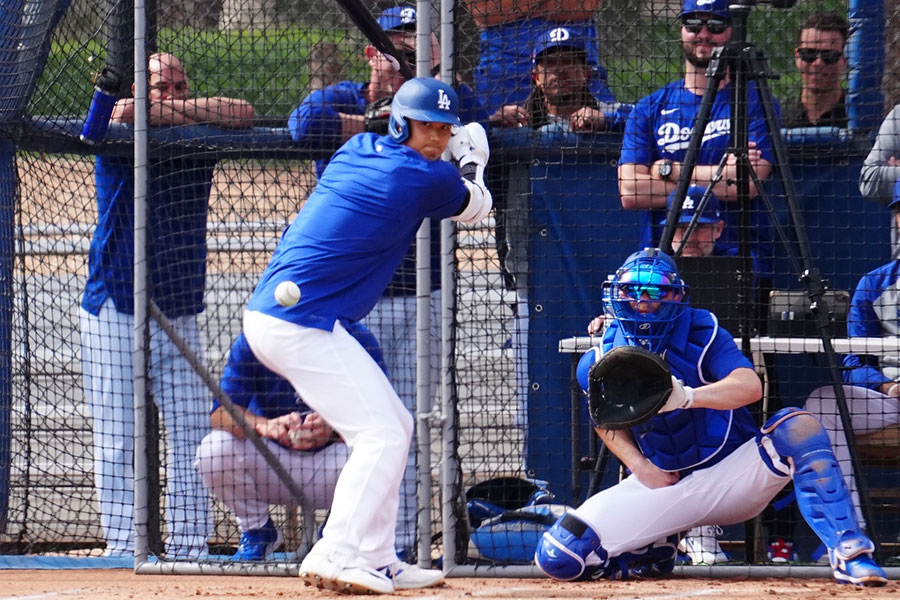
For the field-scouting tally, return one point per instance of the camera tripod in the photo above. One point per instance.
(745, 63)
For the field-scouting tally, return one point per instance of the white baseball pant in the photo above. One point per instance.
(337, 378)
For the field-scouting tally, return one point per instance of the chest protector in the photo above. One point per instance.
(685, 440)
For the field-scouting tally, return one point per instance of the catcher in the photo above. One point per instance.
(672, 408)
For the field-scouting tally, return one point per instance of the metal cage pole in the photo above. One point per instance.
(141, 315)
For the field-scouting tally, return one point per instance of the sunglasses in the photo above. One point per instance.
(636, 291)
(714, 26)
(829, 57)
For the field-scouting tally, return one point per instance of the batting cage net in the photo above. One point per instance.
(137, 215)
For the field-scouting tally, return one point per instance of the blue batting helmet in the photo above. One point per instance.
(646, 295)
(422, 99)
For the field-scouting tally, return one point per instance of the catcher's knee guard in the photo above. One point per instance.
(562, 551)
(805, 453)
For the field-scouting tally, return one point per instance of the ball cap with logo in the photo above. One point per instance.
(398, 18)
(713, 7)
(711, 212)
(558, 37)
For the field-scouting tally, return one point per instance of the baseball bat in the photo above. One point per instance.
(366, 23)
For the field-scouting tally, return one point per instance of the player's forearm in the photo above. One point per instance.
(740, 388)
(877, 181)
(622, 444)
(222, 419)
(351, 125)
(487, 13)
(232, 113)
(641, 190)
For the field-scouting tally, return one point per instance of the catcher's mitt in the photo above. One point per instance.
(377, 115)
(627, 386)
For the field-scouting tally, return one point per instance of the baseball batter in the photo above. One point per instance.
(300, 439)
(700, 460)
(341, 251)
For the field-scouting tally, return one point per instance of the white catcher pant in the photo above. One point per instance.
(393, 322)
(183, 403)
(630, 515)
(869, 411)
(338, 379)
(235, 471)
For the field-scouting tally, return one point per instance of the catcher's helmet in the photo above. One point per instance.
(646, 295)
(422, 99)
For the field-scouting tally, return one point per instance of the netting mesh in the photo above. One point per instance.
(529, 276)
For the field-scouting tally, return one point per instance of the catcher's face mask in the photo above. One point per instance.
(646, 295)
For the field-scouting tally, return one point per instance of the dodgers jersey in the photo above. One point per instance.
(251, 385)
(874, 313)
(660, 127)
(353, 231)
(179, 198)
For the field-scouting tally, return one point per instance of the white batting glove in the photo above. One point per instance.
(681, 397)
(469, 144)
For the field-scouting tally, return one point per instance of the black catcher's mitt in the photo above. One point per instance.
(377, 115)
(627, 386)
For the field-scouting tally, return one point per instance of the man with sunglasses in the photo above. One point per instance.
(701, 459)
(659, 128)
(820, 58)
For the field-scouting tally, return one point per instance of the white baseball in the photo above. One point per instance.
(287, 293)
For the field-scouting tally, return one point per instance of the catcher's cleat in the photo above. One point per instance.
(257, 544)
(853, 563)
(326, 574)
(412, 577)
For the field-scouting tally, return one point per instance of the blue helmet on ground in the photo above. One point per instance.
(422, 99)
(646, 295)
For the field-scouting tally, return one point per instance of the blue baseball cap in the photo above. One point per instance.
(399, 18)
(714, 7)
(711, 212)
(895, 203)
(558, 37)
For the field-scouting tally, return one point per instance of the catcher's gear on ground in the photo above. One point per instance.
(627, 386)
(377, 115)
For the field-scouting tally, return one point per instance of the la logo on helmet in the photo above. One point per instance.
(560, 34)
(407, 15)
(443, 101)
(688, 204)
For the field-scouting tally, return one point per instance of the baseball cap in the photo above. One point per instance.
(895, 203)
(400, 18)
(711, 212)
(556, 38)
(715, 7)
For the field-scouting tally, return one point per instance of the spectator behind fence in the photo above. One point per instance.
(337, 113)
(299, 438)
(658, 130)
(560, 99)
(873, 390)
(179, 190)
(881, 169)
(820, 58)
(509, 31)
(656, 139)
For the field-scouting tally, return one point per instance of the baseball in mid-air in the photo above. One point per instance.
(287, 293)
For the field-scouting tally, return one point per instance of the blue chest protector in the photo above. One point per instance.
(686, 440)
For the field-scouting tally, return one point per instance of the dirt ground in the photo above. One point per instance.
(125, 585)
